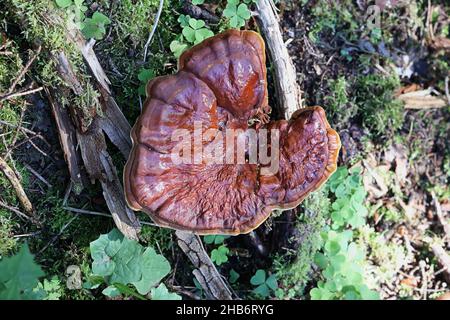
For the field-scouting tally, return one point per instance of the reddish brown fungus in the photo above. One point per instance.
(221, 84)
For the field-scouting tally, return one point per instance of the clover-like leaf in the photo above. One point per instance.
(220, 255)
(243, 12)
(272, 282)
(184, 20)
(258, 278)
(177, 48)
(262, 290)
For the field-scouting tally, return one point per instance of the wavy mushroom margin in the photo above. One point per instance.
(334, 146)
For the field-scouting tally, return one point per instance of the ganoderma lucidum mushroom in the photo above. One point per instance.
(221, 84)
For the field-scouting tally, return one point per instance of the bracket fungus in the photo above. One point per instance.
(206, 158)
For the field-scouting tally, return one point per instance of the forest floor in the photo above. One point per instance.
(380, 228)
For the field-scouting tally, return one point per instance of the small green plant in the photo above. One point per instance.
(195, 32)
(19, 279)
(237, 13)
(348, 208)
(144, 76)
(341, 260)
(75, 10)
(119, 262)
(264, 285)
(95, 27)
(220, 255)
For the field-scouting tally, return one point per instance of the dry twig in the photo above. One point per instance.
(17, 186)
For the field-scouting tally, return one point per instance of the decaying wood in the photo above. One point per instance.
(17, 186)
(67, 139)
(100, 167)
(287, 90)
(205, 272)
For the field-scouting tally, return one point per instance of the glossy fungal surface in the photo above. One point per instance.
(213, 114)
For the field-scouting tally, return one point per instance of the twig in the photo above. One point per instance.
(101, 214)
(16, 211)
(23, 199)
(441, 217)
(37, 175)
(20, 93)
(24, 70)
(155, 24)
(149, 40)
(288, 91)
(58, 235)
(16, 133)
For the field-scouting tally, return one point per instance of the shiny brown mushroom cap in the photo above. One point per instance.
(221, 84)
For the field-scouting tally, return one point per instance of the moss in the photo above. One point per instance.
(132, 22)
(381, 113)
(294, 276)
(42, 23)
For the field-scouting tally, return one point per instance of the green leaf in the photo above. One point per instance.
(127, 291)
(235, 22)
(154, 268)
(230, 11)
(234, 276)
(117, 258)
(18, 273)
(197, 2)
(145, 75)
(177, 48)
(127, 263)
(219, 255)
(92, 30)
(202, 34)
(100, 18)
(184, 20)
(243, 12)
(262, 290)
(63, 3)
(196, 24)
(111, 292)
(209, 239)
(259, 277)
(272, 282)
(161, 293)
(189, 34)
(103, 265)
